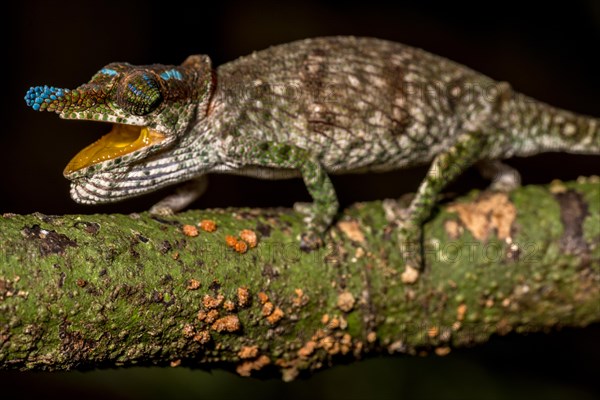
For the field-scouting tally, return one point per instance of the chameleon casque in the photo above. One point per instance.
(309, 108)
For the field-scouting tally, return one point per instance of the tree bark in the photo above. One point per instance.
(83, 291)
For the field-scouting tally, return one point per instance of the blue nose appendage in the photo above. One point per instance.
(49, 98)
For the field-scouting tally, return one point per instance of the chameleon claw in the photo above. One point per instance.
(161, 211)
(310, 241)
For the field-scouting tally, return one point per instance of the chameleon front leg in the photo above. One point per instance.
(445, 167)
(184, 195)
(319, 214)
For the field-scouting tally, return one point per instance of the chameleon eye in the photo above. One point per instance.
(139, 93)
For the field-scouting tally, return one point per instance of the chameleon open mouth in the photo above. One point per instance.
(121, 140)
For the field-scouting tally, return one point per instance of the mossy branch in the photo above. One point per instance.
(81, 291)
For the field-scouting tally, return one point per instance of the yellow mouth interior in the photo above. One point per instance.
(121, 140)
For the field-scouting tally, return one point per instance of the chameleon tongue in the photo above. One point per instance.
(121, 140)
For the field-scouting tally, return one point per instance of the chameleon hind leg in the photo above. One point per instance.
(445, 167)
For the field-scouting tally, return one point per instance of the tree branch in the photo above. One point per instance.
(80, 291)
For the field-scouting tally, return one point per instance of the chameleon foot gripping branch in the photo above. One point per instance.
(309, 108)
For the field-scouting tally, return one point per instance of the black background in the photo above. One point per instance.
(547, 51)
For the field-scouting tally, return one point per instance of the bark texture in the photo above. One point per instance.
(84, 291)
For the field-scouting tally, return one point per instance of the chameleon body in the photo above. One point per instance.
(309, 108)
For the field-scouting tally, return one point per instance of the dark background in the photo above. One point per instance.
(547, 51)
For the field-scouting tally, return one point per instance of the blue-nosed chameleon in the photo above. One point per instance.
(310, 108)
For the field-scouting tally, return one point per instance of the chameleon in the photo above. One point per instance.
(309, 109)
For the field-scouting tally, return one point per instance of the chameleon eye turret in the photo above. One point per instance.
(139, 93)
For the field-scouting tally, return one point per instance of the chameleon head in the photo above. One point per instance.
(150, 108)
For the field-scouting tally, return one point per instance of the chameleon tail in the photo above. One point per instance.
(538, 127)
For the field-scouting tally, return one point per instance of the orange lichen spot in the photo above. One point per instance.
(280, 362)
(345, 301)
(352, 230)
(193, 284)
(308, 348)
(275, 316)
(211, 316)
(325, 319)
(263, 297)
(229, 323)
(344, 349)
(335, 349)
(247, 352)
(209, 301)
(175, 363)
(175, 256)
(488, 214)
(371, 337)
(202, 337)
(230, 240)
(345, 344)
(249, 236)
(243, 296)
(246, 368)
(267, 309)
(334, 323)
(201, 315)
(343, 323)
(346, 339)
(241, 247)
(358, 348)
(433, 331)
(359, 253)
(327, 343)
(228, 305)
(442, 351)
(461, 310)
(397, 346)
(319, 334)
(300, 299)
(190, 230)
(410, 275)
(188, 330)
(289, 374)
(208, 225)
(81, 282)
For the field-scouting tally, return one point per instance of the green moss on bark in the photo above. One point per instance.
(113, 290)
